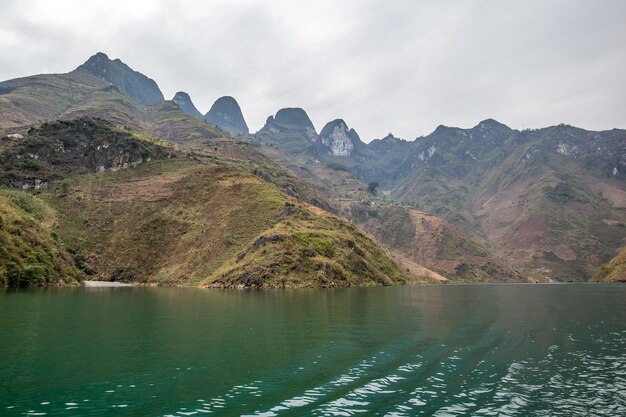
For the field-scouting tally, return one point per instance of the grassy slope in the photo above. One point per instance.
(310, 248)
(176, 222)
(29, 254)
(545, 215)
(35, 99)
(248, 157)
(111, 104)
(614, 270)
(170, 222)
(41, 97)
(172, 124)
(177, 216)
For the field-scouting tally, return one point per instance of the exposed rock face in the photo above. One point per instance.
(183, 101)
(388, 144)
(291, 131)
(291, 119)
(226, 114)
(390, 138)
(339, 138)
(142, 89)
(59, 149)
(427, 153)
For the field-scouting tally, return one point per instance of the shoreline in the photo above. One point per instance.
(104, 284)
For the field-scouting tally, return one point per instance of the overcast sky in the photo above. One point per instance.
(383, 66)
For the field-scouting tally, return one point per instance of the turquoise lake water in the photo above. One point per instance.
(485, 350)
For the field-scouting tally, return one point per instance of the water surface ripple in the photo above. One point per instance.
(484, 350)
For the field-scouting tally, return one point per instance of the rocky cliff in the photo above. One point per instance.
(142, 89)
(183, 101)
(226, 114)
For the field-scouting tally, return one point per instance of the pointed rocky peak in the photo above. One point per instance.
(293, 118)
(99, 58)
(386, 144)
(183, 101)
(490, 129)
(354, 136)
(443, 129)
(226, 114)
(491, 124)
(390, 138)
(339, 138)
(331, 126)
(291, 121)
(140, 88)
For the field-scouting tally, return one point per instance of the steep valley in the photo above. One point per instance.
(132, 208)
(548, 203)
(140, 189)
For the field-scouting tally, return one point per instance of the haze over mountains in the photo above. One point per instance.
(488, 203)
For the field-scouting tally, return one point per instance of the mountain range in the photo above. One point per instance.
(105, 179)
(549, 202)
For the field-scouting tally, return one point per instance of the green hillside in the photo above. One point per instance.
(176, 222)
(311, 248)
(546, 204)
(149, 193)
(132, 208)
(30, 254)
(424, 239)
(612, 271)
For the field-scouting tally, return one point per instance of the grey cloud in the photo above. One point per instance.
(402, 66)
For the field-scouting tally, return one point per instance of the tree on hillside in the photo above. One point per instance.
(372, 187)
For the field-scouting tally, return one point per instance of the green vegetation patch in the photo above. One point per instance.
(166, 222)
(309, 249)
(30, 255)
(612, 271)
